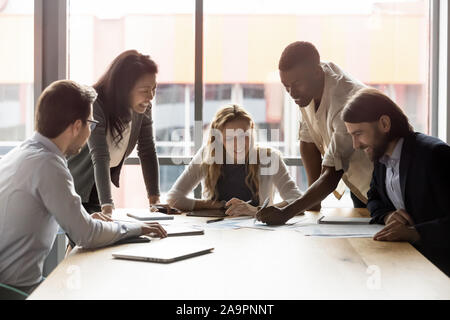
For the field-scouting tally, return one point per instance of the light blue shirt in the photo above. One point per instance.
(36, 194)
(393, 187)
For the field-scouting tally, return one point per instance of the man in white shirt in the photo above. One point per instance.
(37, 192)
(321, 90)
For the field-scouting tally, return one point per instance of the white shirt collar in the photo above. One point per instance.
(395, 156)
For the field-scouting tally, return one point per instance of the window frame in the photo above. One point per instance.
(51, 45)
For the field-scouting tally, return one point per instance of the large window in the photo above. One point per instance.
(16, 71)
(384, 44)
(102, 29)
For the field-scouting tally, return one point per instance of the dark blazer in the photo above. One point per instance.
(92, 163)
(425, 185)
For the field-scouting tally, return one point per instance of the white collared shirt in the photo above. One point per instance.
(393, 187)
(117, 151)
(36, 195)
(327, 131)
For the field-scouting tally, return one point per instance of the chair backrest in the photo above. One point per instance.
(10, 293)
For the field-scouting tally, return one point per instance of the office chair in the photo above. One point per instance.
(10, 293)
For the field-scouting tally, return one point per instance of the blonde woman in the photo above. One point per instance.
(235, 174)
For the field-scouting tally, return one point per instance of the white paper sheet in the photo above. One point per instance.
(247, 222)
(339, 231)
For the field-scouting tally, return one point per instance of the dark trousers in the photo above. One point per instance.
(93, 205)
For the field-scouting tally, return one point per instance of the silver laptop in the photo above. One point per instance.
(162, 254)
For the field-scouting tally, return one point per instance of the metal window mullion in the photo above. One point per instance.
(434, 67)
(187, 121)
(198, 84)
(443, 112)
(38, 48)
(50, 53)
(50, 43)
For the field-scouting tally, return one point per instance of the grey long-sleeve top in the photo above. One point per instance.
(91, 165)
(36, 195)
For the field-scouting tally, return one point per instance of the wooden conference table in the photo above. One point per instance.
(255, 264)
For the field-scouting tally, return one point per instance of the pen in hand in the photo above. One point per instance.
(265, 204)
(220, 219)
(248, 202)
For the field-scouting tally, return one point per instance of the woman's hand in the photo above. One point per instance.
(153, 200)
(107, 210)
(237, 207)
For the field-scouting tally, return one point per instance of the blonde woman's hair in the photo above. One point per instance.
(212, 168)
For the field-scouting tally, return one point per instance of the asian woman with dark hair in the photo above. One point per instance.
(123, 110)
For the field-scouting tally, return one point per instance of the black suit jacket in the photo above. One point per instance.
(425, 185)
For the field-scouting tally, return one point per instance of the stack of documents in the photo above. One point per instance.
(250, 222)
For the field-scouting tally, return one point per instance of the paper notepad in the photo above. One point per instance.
(177, 231)
(146, 215)
(340, 230)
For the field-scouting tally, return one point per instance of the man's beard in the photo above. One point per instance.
(74, 148)
(380, 148)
